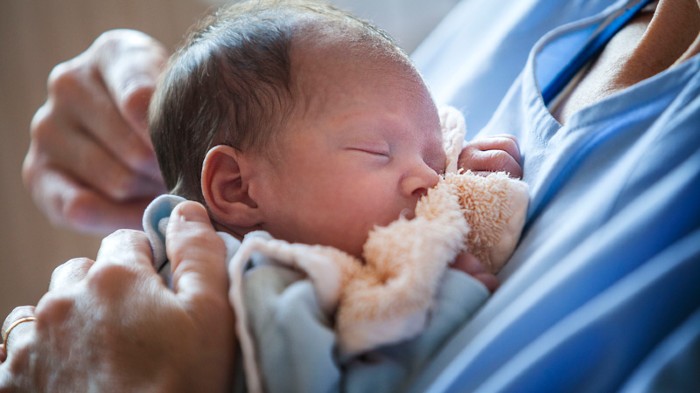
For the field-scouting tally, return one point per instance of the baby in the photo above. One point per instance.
(299, 120)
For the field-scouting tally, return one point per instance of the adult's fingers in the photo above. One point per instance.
(18, 314)
(127, 248)
(90, 141)
(196, 253)
(69, 273)
(123, 170)
(123, 265)
(105, 92)
(69, 203)
(131, 75)
(79, 103)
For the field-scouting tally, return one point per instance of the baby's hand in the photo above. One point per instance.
(492, 154)
(468, 264)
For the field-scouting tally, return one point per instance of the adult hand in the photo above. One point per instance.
(112, 325)
(90, 164)
(492, 154)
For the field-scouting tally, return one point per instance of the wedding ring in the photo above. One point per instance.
(6, 333)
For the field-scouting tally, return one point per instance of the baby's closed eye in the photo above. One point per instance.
(374, 149)
(372, 152)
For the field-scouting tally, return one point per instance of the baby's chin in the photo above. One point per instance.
(352, 240)
(407, 213)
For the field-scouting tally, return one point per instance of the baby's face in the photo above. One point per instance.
(368, 147)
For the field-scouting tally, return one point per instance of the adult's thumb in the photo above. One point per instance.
(197, 255)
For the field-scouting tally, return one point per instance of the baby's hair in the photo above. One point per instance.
(232, 82)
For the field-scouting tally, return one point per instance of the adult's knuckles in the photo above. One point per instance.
(65, 79)
(129, 237)
(109, 281)
(121, 45)
(108, 41)
(70, 268)
(112, 43)
(54, 309)
(115, 40)
(125, 243)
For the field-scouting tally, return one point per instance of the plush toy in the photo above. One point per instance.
(387, 296)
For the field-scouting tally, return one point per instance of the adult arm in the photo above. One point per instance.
(90, 164)
(112, 325)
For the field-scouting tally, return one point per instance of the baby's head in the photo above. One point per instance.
(298, 119)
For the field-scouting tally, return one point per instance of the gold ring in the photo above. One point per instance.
(16, 323)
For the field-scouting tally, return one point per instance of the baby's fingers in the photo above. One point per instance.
(492, 154)
(469, 264)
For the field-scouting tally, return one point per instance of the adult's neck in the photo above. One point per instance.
(671, 37)
(658, 38)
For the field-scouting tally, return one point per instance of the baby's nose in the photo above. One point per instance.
(417, 183)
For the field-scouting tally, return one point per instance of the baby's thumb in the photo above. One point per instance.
(197, 256)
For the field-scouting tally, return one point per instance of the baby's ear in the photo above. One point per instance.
(453, 131)
(225, 188)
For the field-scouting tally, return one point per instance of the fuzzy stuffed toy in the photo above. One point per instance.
(387, 297)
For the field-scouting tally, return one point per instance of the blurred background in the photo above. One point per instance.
(35, 35)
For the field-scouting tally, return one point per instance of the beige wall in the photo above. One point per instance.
(35, 35)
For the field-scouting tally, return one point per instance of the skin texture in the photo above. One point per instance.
(639, 51)
(134, 334)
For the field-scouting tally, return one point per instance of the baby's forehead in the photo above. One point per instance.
(341, 66)
(349, 41)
